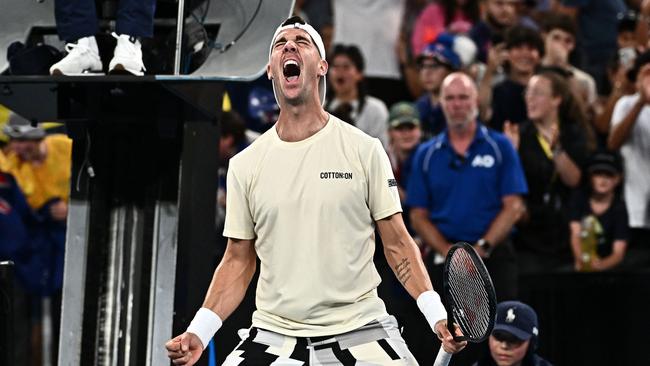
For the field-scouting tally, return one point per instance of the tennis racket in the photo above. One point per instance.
(469, 297)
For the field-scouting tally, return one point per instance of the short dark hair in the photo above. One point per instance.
(562, 22)
(232, 124)
(352, 52)
(293, 20)
(521, 35)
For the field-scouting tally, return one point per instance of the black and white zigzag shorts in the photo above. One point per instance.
(377, 343)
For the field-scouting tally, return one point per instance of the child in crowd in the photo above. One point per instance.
(514, 339)
(599, 219)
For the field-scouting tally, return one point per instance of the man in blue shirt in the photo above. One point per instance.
(466, 185)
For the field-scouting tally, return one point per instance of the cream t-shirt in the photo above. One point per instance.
(311, 206)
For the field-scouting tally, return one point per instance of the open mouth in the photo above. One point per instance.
(291, 70)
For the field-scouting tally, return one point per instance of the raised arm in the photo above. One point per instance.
(226, 291)
(621, 131)
(404, 258)
(567, 169)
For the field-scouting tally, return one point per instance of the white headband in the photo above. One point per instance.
(318, 41)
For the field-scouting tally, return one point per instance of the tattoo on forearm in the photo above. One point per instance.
(403, 271)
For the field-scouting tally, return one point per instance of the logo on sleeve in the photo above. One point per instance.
(392, 183)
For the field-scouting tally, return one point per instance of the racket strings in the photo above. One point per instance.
(472, 323)
(471, 302)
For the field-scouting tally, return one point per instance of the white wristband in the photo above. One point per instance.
(432, 308)
(205, 324)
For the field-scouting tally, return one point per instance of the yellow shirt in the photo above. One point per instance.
(43, 182)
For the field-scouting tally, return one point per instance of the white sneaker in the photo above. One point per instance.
(127, 56)
(82, 58)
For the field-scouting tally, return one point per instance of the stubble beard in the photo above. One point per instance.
(462, 125)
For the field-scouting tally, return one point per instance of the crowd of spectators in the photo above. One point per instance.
(557, 81)
(35, 171)
(519, 126)
(538, 156)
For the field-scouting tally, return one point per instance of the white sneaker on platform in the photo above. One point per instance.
(127, 56)
(82, 58)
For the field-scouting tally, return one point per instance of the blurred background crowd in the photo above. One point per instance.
(555, 175)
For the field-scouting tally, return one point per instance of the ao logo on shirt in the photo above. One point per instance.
(485, 161)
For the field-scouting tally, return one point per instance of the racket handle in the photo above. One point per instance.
(443, 358)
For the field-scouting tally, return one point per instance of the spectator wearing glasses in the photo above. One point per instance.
(448, 53)
(554, 144)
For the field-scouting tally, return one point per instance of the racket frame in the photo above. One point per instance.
(489, 288)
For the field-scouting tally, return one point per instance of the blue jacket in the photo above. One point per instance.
(32, 240)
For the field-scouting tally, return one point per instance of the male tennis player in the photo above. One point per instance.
(305, 198)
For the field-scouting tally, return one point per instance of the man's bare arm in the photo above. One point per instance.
(403, 255)
(231, 278)
(621, 132)
(404, 258)
(226, 291)
(513, 208)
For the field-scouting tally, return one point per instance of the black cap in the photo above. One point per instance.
(605, 161)
(517, 319)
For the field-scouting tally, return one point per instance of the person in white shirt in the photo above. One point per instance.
(350, 101)
(305, 198)
(374, 26)
(630, 133)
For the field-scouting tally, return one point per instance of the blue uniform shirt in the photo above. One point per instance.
(14, 215)
(463, 194)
